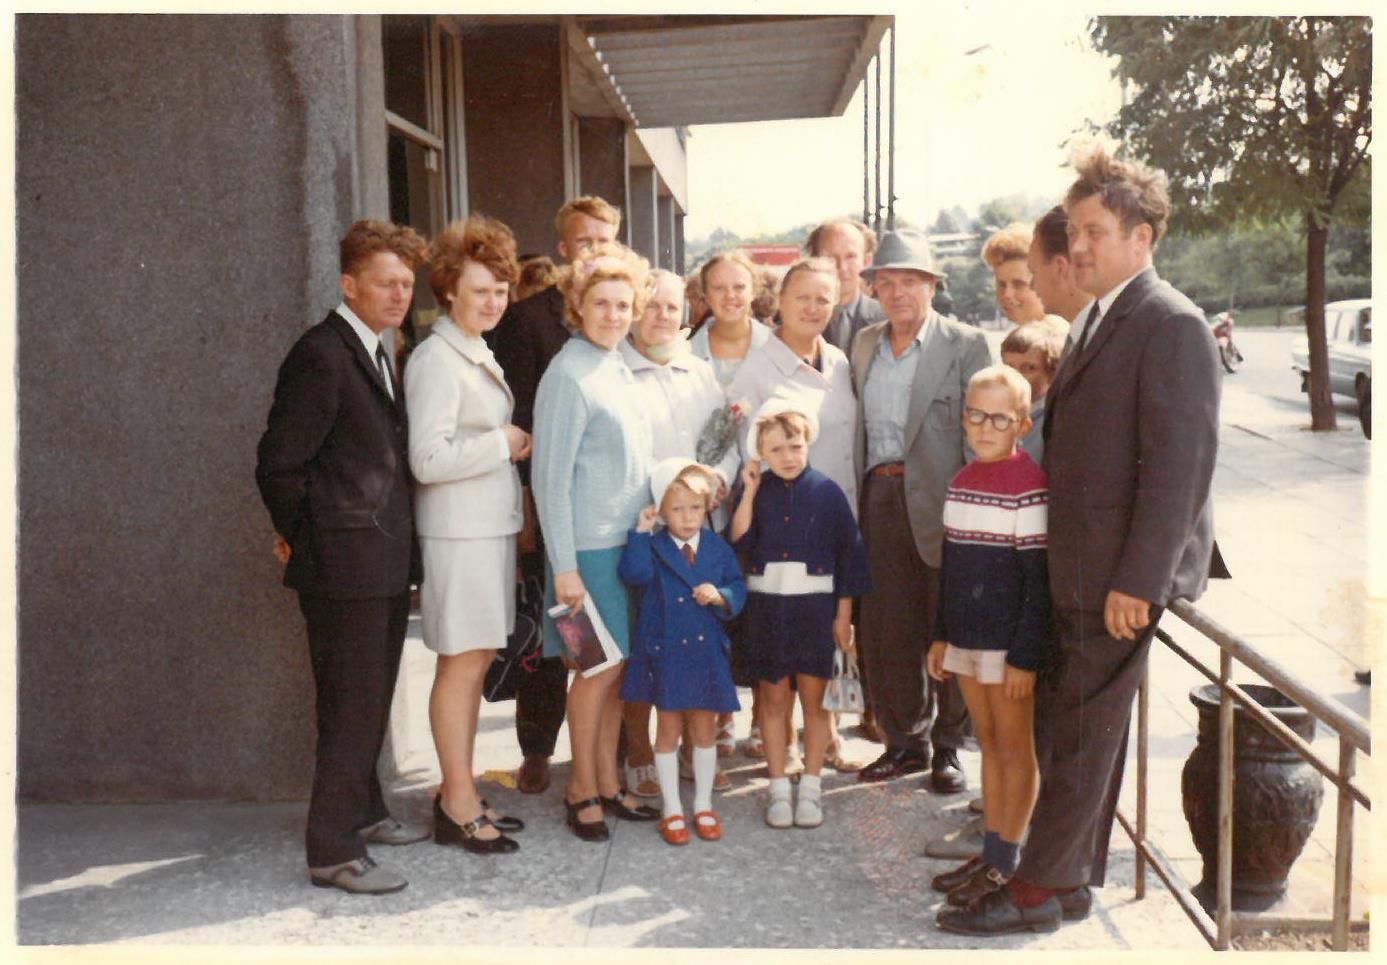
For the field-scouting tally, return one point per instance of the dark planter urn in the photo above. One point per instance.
(1276, 798)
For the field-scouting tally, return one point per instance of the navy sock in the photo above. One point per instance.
(1008, 856)
(992, 848)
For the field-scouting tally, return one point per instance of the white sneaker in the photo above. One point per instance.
(778, 812)
(808, 811)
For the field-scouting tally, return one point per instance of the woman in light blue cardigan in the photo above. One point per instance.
(591, 473)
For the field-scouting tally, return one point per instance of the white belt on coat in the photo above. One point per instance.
(789, 579)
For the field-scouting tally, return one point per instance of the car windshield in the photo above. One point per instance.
(1365, 326)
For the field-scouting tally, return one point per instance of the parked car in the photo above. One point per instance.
(1348, 332)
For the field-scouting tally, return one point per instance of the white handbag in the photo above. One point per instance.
(843, 694)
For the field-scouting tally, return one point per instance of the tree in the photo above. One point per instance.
(1253, 117)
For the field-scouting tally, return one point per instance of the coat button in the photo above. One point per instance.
(787, 519)
(785, 555)
(679, 600)
(700, 636)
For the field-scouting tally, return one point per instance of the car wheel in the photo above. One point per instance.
(1230, 357)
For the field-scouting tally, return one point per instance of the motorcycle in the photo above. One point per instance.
(1222, 327)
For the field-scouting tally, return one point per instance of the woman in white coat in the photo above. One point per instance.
(462, 450)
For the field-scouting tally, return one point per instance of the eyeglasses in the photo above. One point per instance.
(1001, 421)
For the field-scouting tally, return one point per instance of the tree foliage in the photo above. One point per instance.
(1253, 118)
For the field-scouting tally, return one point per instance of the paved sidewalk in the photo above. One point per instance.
(1290, 507)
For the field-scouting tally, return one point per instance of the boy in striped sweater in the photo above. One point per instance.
(994, 617)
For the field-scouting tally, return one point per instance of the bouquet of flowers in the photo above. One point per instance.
(720, 432)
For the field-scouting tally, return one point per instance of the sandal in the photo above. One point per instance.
(754, 746)
(643, 780)
(708, 825)
(727, 741)
(833, 757)
(674, 830)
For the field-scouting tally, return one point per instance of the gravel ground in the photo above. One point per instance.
(1287, 941)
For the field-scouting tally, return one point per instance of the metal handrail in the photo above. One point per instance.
(1354, 736)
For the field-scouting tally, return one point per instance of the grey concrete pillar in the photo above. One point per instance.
(177, 227)
(602, 162)
(679, 242)
(514, 90)
(645, 224)
(664, 209)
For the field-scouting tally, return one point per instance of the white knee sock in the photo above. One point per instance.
(667, 769)
(705, 763)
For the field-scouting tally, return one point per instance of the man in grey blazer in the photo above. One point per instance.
(1131, 436)
(851, 245)
(910, 373)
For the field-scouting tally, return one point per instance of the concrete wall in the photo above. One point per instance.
(603, 162)
(182, 182)
(513, 86)
(644, 218)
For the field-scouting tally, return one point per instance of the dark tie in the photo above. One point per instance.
(1088, 329)
(384, 367)
(689, 553)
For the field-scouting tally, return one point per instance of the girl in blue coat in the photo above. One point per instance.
(689, 584)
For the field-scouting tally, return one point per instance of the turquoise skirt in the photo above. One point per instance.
(598, 570)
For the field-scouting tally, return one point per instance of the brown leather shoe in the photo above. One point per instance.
(533, 776)
(983, 882)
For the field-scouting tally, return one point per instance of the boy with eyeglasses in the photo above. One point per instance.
(994, 616)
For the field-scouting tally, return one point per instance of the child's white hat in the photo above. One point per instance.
(668, 470)
(775, 406)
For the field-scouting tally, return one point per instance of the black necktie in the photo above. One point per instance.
(1088, 329)
(384, 367)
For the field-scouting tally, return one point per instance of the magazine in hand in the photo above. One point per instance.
(586, 639)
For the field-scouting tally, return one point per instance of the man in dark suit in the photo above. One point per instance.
(527, 338)
(334, 474)
(1131, 436)
(851, 245)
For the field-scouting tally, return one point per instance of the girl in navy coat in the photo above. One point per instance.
(689, 583)
(805, 563)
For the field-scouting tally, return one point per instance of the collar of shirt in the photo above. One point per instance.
(1104, 304)
(369, 339)
(679, 544)
(785, 359)
(884, 346)
(637, 362)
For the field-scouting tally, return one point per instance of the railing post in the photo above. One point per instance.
(1143, 731)
(1343, 849)
(1223, 915)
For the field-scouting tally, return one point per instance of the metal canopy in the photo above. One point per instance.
(672, 71)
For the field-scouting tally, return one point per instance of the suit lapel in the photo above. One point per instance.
(1076, 362)
(862, 357)
(674, 559)
(929, 374)
(364, 360)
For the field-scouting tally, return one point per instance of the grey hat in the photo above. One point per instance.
(904, 248)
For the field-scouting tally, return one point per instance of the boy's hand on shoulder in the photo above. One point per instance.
(707, 594)
(934, 662)
(645, 522)
(1018, 684)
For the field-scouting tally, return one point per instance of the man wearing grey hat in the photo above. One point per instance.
(911, 372)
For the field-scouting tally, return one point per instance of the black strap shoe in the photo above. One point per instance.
(448, 831)
(985, 881)
(587, 830)
(504, 822)
(641, 812)
(950, 880)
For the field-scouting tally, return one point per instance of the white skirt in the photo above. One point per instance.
(467, 599)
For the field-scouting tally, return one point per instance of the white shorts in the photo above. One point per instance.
(987, 666)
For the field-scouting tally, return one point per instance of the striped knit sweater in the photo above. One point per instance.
(994, 588)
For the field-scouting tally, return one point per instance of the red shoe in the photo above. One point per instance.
(708, 831)
(674, 830)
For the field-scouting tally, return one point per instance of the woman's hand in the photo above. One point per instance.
(281, 549)
(645, 522)
(751, 477)
(569, 590)
(707, 594)
(519, 441)
(1018, 684)
(842, 633)
(934, 663)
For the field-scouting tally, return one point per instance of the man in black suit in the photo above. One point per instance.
(1131, 437)
(334, 474)
(851, 245)
(527, 338)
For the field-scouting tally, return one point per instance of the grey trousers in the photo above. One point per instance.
(1083, 707)
(895, 627)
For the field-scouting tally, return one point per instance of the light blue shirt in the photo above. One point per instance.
(592, 455)
(886, 398)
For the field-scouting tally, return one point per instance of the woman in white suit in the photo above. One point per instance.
(463, 449)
